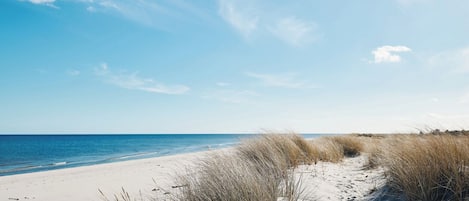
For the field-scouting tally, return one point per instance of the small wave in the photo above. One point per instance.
(227, 144)
(59, 163)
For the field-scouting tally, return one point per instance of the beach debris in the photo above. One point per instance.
(178, 186)
(166, 193)
(155, 189)
(13, 199)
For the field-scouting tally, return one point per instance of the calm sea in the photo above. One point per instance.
(33, 153)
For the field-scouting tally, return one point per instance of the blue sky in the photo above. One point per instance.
(227, 66)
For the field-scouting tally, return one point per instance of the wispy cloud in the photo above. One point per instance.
(142, 11)
(49, 3)
(134, 82)
(91, 9)
(287, 80)
(159, 14)
(232, 96)
(454, 60)
(294, 31)
(42, 1)
(249, 18)
(388, 54)
(243, 22)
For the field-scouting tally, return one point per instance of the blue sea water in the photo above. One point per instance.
(32, 153)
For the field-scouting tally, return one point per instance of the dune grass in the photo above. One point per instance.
(430, 167)
(224, 177)
(258, 169)
(433, 166)
(334, 149)
(261, 169)
(351, 146)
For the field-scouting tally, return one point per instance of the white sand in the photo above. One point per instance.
(82, 183)
(347, 180)
(323, 181)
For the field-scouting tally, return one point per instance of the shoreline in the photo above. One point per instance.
(355, 167)
(155, 178)
(82, 183)
(72, 161)
(119, 159)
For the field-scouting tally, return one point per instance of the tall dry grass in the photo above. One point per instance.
(351, 145)
(329, 151)
(258, 169)
(226, 177)
(334, 149)
(311, 153)
(428, 167)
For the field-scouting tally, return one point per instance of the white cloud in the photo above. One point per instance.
(268, 19)
(91, 9)
(455, 60)
(242, 22)
(287, 80)
(49, 3)
(110, 4)
(158, 14)
(294, 31)
(387, 54)
(42, 1)
(134, 82)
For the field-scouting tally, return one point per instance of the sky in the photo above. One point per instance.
(233, 66)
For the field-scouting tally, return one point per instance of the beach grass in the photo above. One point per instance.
(428, 167)
(425, 166)
(258, 169)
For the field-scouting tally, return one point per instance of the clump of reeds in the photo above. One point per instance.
(428, 167)
(310, 152)
(227, 177)
(334, 149)
(351, 146)
(375, 153)
(258, 169)
(329, 150)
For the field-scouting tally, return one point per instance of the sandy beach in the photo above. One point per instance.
(324, 181)
(82, 183)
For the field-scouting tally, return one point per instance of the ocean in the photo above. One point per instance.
(33, 153)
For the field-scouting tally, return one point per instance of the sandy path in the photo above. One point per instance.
(341, 181)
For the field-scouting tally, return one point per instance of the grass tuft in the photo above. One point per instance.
(351, 146)
(259, 169)
(429, 167)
